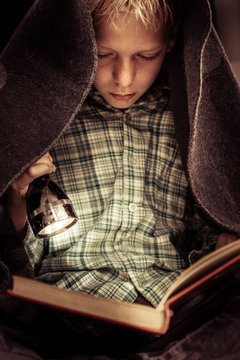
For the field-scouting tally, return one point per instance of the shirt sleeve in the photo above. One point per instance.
(35, 248)
(199, 237)
(204, 239)
(13, 257)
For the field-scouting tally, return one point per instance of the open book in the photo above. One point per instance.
(215, 268)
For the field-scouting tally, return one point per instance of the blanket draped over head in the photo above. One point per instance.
(48, 67)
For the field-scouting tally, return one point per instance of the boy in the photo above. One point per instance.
(119, 163)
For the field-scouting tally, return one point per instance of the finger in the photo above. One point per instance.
(35, 171)
(39, 169)
(47, 158)
(225, 239)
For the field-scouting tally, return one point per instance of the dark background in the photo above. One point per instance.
(11, 13)
(227, 13)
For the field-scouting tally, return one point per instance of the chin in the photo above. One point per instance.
(120, 104)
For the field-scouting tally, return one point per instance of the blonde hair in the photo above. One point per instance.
(149, 12)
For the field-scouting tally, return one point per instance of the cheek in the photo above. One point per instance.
(150, 73)
(157, 67)
(102, 76)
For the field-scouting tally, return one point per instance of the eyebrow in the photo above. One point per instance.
(143, 50)
(158, 48)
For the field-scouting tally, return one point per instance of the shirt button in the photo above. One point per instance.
(132, 207)
(133, 160)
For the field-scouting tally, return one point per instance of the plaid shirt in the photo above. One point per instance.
(123, 173)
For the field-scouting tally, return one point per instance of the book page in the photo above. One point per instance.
(202, 267)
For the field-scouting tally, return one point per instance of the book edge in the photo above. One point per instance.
(110, 319)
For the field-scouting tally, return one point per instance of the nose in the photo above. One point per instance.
(124, 72)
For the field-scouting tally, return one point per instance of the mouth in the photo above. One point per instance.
(120, 97)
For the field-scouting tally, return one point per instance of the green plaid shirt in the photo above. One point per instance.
(123, 173)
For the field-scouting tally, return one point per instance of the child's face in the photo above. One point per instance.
(130, 58)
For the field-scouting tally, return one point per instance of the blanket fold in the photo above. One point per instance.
(46, 71)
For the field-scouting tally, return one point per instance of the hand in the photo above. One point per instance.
(225, 239)
(15, 196)
(41, 167)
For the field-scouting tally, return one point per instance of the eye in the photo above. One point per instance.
(149, 58)
(103, 56)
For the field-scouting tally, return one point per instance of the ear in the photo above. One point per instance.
(171, 44)
(172, 36)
